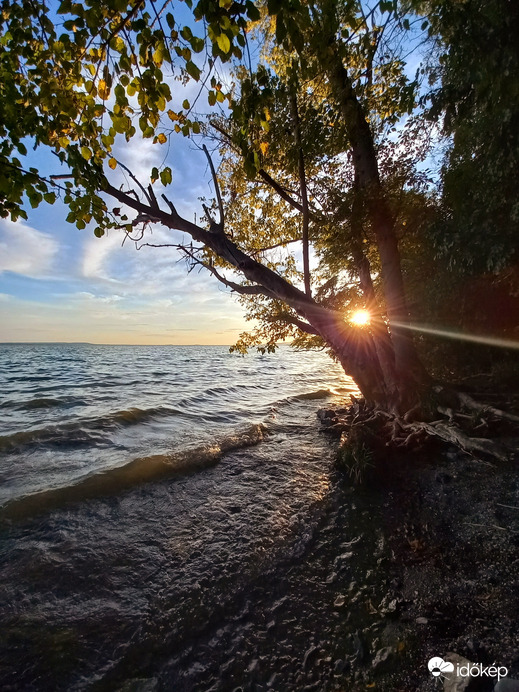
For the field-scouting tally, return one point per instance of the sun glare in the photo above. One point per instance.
(360, 318)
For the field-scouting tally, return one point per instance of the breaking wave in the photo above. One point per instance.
(135, 473)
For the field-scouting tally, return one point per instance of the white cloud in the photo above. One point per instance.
(24, 250)
(96, 255)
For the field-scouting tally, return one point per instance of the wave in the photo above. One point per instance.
(93, 431)
(85, 431)
(135, 473)
(44, 402)
(319, 394)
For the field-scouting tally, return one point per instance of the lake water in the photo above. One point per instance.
(142, 489)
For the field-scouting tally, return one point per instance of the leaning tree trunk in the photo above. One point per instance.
(409, 374)
(354, 348)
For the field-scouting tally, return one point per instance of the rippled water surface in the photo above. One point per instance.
(143, 488)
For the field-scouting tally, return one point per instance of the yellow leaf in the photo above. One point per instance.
(162, 138)
(224, 43)
(86, 153)
(172, 115)
(264, 147)
(103, 89)
(112, 163)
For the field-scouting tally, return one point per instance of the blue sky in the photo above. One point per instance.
(61, 284)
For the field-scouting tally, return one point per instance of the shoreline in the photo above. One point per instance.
(395, 574)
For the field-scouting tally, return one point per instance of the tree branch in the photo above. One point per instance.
(151, 198)
(263, 173)
(300, 324)
(304, 193)
(280, 190)
(238, 288)
(273, 247)
(273, 285)
(217, 190)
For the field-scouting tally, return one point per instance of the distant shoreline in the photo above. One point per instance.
(92, 343)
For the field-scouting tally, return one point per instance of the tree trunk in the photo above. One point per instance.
(357, 350)
(409, 371)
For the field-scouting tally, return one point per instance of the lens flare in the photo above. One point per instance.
(460, 336)
(360, 318)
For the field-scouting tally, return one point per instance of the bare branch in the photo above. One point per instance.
(217, 189)
(300, 324)
(280, 190)
(273, 247)
(254, 290)
(171, 206)
(150, 199)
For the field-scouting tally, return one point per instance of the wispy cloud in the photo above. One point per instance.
(26, 251)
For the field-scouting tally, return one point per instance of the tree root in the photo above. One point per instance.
(362, 426)
(454, 436)
(466, 401)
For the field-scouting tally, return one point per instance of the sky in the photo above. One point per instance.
(61, 284)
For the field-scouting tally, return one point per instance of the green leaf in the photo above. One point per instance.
(193, 70)
(166, 176)
(99, 232)
(252, 11)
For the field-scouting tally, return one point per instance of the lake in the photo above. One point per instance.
(144, 490)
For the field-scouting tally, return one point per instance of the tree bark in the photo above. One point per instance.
(410, 372)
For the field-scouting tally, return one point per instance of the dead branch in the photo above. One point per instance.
(220, 224)
(151, 199)
(473, 405)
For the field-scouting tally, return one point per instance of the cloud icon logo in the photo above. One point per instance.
(438, 666)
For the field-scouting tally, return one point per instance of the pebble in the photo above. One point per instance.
(339, 666)
(342, 558)
(309, 655)
(254, 665)
(421, 621)
(455, 683)
(382, 657)
(273, 681)
(507, 685)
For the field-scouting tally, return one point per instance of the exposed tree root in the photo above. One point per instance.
(369, 433)
(448, 432)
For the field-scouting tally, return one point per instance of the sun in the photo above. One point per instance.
(360, 318)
